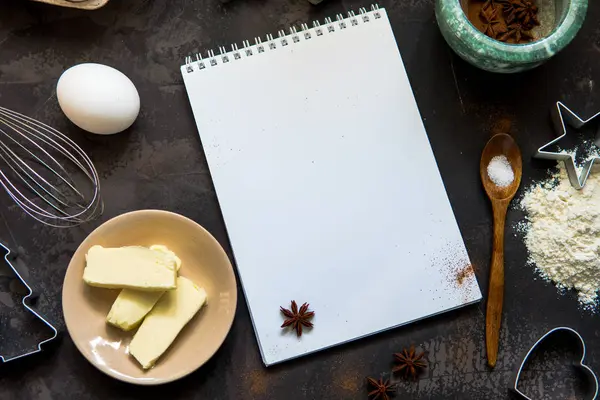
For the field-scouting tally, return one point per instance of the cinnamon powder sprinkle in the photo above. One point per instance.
(465, 272)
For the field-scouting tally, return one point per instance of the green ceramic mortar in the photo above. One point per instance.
(560, 22)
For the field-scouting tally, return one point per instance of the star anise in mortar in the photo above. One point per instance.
(492, 23)
(489, 3)
(297, 318)
(523, 11)
(383, 390)
(527, 14)
(410, 362)
(516, 31)
(509, 8)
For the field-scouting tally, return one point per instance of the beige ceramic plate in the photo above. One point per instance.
(203, 261)
(82, 4)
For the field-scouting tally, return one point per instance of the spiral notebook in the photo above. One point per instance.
(327, 183)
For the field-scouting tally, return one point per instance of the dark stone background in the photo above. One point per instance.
(159, 164)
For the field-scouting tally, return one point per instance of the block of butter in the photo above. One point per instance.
(168, 317)
(131, 306)
(165, 250)
(130, 267)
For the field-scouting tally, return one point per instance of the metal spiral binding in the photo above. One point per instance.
(330, 27)
(259, 46)
(318, 29)
(196, 62)
(272, 45)
(236, 52)
(284, 41)
(224, 56)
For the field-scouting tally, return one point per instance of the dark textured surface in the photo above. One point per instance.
(159, 164)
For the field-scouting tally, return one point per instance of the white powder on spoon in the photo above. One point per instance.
(500, 171)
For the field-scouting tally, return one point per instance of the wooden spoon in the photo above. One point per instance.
(500, 144)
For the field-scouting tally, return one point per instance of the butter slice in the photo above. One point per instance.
(168, 317)
(130, 268)
(164, 249)
(131, 306)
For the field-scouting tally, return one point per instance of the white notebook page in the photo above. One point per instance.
(328, 186)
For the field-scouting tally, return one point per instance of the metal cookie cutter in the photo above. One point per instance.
(589, 374)
(31, 310)
(561, 117)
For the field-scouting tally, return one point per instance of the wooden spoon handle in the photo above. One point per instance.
(495, 298)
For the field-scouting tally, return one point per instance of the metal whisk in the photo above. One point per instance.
(45, 173)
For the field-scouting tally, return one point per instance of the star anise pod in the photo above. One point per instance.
(410, 362)
(492, 23)
(383, 390)
(489, 3)
(518, 32)
(297, 318)
(523, 11)
(528, 14)
(509, 8)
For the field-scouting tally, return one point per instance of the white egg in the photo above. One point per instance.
(98, 98)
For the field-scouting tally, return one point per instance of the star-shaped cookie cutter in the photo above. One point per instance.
(561, 117)
(28, 308)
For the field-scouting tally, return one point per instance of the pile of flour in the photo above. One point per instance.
(562, 232)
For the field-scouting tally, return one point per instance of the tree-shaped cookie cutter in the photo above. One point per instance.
(28, 308)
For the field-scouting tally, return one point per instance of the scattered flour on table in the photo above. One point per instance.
(562, 232)
(500, 171)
